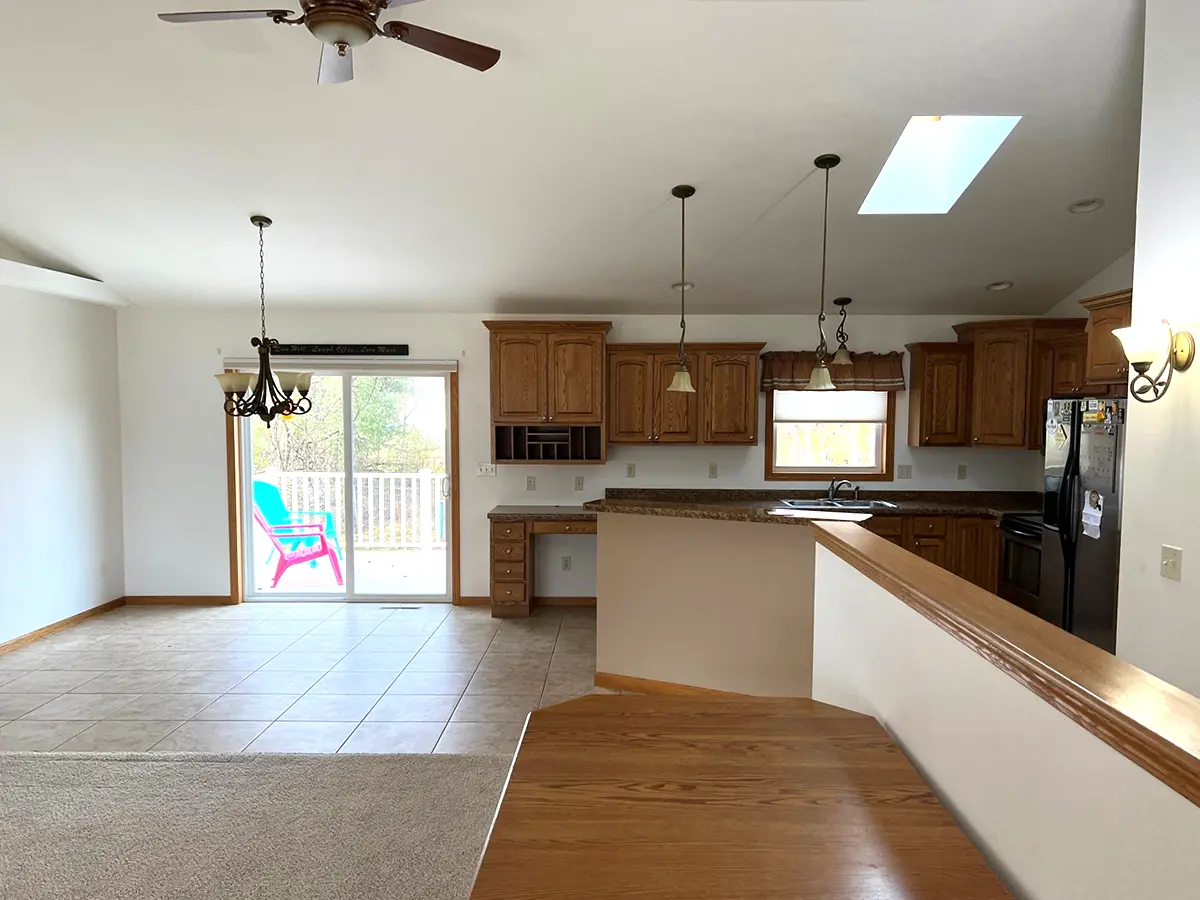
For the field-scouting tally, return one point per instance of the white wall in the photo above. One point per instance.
(1115, 277)
(60, 461)
(1158, 621)
(1059, 813)
(174, 438)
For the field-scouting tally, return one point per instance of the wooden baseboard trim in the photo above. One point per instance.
(564, 601)
(473, 601)
(179, 601)
(61, 625)
(658, 688)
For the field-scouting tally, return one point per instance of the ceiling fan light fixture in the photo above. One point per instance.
(338, 28)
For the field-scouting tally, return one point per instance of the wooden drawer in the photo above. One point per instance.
(508, 593)
(564, 527)
(511, 550)
(929, 526)
(508, 571)
(885, 526)
(508, 531)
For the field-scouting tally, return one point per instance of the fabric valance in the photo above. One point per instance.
(789, 370)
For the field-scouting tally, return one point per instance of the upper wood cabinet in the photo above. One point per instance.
(1057, 370)
(519, 377)
(730, 397)
(1106, 362)
(576, 378)
(547, 372)
(723, 410)
(939, 395)
(1009, 375)
(630, 397)
(676, 416)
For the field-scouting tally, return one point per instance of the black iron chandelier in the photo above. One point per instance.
(265, 395)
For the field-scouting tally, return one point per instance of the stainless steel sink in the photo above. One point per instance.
(842, 505)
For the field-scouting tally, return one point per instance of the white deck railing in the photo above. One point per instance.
(392, 509)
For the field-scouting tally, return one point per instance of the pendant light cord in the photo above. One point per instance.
(262, 282)
(823, 346)
(682, 278)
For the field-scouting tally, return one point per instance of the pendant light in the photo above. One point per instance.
(262, 395)
(842, 356)
(820, 380)
(682, 382)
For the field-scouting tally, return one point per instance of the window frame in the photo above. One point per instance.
(889, 451)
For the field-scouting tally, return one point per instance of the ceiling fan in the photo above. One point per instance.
(342, 25)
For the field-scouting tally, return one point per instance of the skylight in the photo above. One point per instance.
(934, 162)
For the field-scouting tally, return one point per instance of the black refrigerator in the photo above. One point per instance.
(1081, 520)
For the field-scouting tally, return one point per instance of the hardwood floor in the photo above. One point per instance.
(741, 799)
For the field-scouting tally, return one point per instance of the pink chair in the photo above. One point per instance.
(294, 556)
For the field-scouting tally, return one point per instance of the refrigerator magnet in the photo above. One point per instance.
(1093, 513)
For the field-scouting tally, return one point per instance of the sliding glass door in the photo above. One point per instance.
(351, 501)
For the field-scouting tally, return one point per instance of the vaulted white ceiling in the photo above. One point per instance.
(133, 151)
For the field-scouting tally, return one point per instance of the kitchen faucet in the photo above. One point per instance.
(835, 486)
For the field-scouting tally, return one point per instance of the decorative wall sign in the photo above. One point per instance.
(341, 350)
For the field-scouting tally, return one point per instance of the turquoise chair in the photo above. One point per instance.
(269, 503)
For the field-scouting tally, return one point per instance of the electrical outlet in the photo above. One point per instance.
(531, 482)
(712, 470)
(630, 470)
(962, 473)
(1172, 563)
(904, 471)
(579, 482)
(486, 470)
(566, 564)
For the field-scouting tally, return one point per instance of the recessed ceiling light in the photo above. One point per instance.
(1091, 204)
(934, 162)
(999, 285)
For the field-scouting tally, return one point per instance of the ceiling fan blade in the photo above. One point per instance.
(476, 56)
(227, 15)
(335, 67)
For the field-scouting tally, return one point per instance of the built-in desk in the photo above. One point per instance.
(513, 531)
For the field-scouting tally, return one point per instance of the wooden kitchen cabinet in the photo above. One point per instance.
(723, 410)
(890, 528)
(730, 397)
(520, 375)
(576, 378)
(1058, 370)
(548, 391)
(1106, 362)
(939, 395)
(976, 550)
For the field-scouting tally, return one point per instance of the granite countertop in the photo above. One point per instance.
(515, 513)
(764, 506)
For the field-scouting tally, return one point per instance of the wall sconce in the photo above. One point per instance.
(1142, 344)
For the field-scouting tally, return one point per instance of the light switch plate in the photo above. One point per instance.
(486, 470)
(531, 482)
(1172, 563)
(566, 564)
(712, 470)
(630, 470)
(904, 471)
(579, 482)
(962, 473)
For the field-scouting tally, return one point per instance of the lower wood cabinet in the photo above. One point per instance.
(968, 546)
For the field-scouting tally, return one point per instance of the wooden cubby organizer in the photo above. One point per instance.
(549, 443)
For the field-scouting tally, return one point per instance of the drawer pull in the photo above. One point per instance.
(508, 551)
(508, 571)
(568, 528)
(508, 531)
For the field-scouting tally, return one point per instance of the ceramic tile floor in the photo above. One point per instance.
(294, 678)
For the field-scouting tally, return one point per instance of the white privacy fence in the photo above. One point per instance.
(392, 509)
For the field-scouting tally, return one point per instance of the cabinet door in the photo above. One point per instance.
(1070, 358)
(945, 380)
(976, 544)
(630, 397)
(1001, 388)
(1106, 362)
(519, 370)
(730, 398)
(676, 416)
(933, 549)
(1043, 389)
(576, 379)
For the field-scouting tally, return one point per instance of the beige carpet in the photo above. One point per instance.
(102, 826)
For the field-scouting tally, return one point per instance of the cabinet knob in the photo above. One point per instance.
(751, 437)
(568, 528)
(508, 531)
(508, 571)
(976, 440)
(552, 418)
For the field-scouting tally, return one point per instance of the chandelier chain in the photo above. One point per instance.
(682, 278)
(821, 348)
(262, 281)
